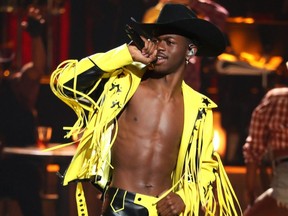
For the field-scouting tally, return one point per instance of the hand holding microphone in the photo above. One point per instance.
(135, 37)
(141, 49)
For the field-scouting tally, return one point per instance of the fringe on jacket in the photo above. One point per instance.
(199, 177)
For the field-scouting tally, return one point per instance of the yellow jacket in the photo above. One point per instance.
(115, 78)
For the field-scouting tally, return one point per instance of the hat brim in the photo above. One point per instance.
(211, 40)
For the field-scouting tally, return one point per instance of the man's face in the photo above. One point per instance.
(171, 53)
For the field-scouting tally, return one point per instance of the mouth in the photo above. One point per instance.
(161, 58)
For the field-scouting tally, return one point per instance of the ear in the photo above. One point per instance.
(192, 51)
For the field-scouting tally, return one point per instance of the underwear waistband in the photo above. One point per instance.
(129, 196)
(137, 198)
(149, 202)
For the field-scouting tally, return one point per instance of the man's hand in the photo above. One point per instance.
(251, 176)
(170, 205)
(147, 55)
(34, 24)
(250, 197)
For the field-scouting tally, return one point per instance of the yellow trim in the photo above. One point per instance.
(149, 202)
(80, 200)
(123, 201)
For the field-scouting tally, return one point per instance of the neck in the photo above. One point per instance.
(167, 85)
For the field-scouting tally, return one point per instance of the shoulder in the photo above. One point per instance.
(276, 94)
(274, 97)
(197, 98)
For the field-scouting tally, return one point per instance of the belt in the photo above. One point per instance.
(280, 161)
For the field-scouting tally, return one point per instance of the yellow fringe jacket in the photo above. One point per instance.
(110, 80)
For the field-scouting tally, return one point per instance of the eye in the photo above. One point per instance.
(155, 40)
(169, 42)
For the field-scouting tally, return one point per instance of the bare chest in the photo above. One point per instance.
(148, 139)
(155, 117)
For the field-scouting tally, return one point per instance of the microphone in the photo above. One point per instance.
(134, 37)
(136, 40)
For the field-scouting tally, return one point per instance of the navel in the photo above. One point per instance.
(148, 186)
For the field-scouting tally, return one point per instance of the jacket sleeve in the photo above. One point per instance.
(76, 77)
(79, 83)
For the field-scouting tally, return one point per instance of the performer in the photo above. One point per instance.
(148, 136)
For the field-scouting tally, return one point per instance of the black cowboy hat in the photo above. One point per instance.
(178, 19)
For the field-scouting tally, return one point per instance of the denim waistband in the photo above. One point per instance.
(280, 160)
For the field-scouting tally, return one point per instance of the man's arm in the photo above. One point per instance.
(72, 77)
(256, 144)
(251, 176)
(26, 86)
(35, 27)
(212, 11)
(82, 75)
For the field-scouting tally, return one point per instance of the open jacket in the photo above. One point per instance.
(97, 88)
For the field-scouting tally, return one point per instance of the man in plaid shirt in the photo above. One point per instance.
(268, 133)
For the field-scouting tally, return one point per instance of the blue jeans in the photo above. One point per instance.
(280, 184)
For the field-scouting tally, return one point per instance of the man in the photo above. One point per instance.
(19, 177)
(208, 10)
(268, 134)
(148, 136)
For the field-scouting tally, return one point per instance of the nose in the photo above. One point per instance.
(160, 44)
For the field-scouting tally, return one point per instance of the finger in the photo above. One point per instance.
(148, 44)
(164, 207)
(150, 51)
(24, 24)
(168, 211)
(151, 46)
(160, 206)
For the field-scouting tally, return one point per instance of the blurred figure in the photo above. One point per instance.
(268, 135)
(19, 177)
(205, 9)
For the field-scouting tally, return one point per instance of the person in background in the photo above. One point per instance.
(147, 139)
(20, 177)
(268, 136)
